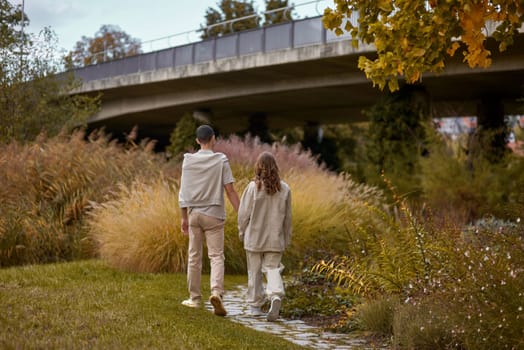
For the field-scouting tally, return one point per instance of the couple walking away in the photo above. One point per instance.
(264, 224)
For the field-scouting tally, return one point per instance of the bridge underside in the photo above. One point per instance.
(326, 90)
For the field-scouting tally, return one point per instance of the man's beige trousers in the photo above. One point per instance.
(203, 227)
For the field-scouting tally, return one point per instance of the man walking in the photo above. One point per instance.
(205, 176)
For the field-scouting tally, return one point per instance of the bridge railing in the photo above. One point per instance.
(293, 34)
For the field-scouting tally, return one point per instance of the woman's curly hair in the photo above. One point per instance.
(266, 173)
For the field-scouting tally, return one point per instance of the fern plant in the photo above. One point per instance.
(390, 255)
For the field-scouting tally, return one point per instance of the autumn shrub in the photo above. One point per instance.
(460, 287)
(47, 187)
(483, 286)
(140, 229)
(415, 327)
(475, 300)
(388, 256)
(468, 189)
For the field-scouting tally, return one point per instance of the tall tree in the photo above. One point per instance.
(230, 10)
(12, 19)
(109, 43)
(33, 96)
(182, 138)
(416, 36)
(273, 15)
(396, 138)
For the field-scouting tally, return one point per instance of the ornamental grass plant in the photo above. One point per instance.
(321, 201)
(141, 226)
(47, 187)
(139, 231)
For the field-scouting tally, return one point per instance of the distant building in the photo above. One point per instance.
(455, 126)
(517, 146)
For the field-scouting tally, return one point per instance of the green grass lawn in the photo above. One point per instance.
(87, 305)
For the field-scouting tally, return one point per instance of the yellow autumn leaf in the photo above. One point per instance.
(392, 84)
(400, 70)
(380, 44)
(414, 77)
(404, 43)
(439, 65)
(451, 51)
(385, 5)
(418, 52)
(348, 27)
(513, 18)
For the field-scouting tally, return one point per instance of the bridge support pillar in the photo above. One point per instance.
(312, 136)
(491, 135)
(258, 126)
(320, 145)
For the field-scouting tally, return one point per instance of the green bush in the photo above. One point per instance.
(311, 295)
(397, 138)
(377, 315)
(468, 190)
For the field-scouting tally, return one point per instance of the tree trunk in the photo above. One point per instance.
(490, 138)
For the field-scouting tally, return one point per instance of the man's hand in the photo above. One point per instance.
(232, 195)
(184, 221)
(185, 226)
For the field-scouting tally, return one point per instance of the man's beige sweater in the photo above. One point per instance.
(201, 183)
(264, 221)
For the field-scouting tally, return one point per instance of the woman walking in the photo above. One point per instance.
(264, 224)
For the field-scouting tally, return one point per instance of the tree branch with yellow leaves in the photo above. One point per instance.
(412, 37)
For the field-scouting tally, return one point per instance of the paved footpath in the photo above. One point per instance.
(295, 331)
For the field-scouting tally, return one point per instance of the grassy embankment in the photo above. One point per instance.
(87, 304)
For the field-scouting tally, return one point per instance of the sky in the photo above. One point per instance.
(141, 19)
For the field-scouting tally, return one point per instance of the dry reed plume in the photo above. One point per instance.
(140, 230)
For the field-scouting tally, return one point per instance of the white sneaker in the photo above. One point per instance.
(191, 302)
(218, 307)
(274, 309)
(256, 311)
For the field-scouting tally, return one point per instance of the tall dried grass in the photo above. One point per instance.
(52, 184)
(324, 205)
(140, 230)
(47, 185)
(246, 151)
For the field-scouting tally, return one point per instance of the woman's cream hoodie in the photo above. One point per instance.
(264, 221)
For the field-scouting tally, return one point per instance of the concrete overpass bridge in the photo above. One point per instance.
(291, 74)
